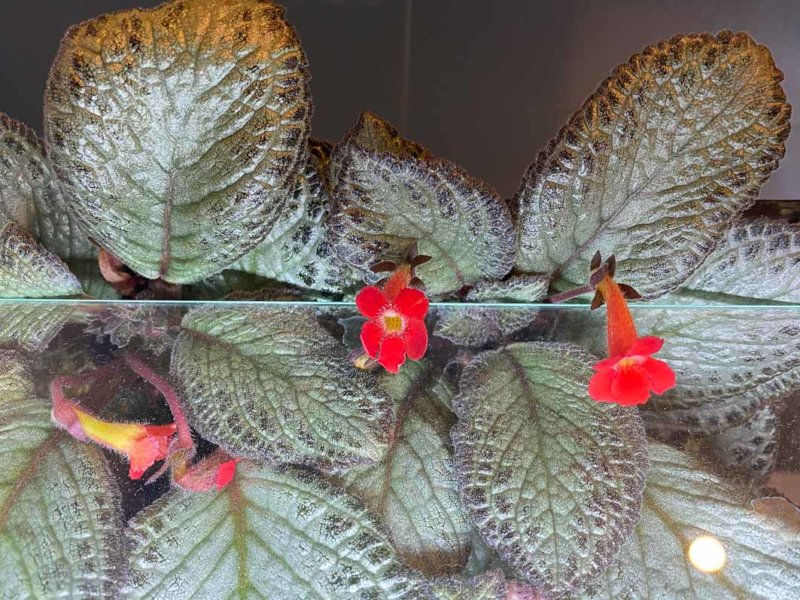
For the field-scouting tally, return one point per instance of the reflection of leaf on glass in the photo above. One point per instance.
(60, 527)
(31, 325)
(391, 192)
(273, 383)
(491, 585)
(270, 533)
(749, 449)
(176, 130)
(728, 361)
(657, 163)
(681, 502)
(552, 480)
(413, 489)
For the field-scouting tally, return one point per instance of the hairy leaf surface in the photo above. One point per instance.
(749, 449)
(491, 585)
(274, 384)
(467, 326)
(391, 192)
(28, 270)
(178, 131)
(552, 480)
(31, 195)
(303, 255)
(268, 534)
(683, 501)
(59, 511)
(414, 487)
(756, 259)
(727, 361)
(657, 163)
(31, 326)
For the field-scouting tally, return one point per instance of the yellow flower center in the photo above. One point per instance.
(392, 322)
(630, 361)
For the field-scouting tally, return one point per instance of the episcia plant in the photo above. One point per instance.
(433, 441)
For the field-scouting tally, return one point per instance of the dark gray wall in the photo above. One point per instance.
(489, 81)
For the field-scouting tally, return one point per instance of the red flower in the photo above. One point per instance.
(396, 328)
(215, 471)
(629, 375)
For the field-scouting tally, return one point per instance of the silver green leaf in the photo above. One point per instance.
(303, 255)
(414, 489)
(552, 480)
(491, 585)
(31, 325)
(475, 327)
(272, 383)
(391, 193)
(756, 259)
(727, 361)
(178, 131)
(28, 270)
(31, 195)
(749, 449)
(59, 509)
(519, 288)
(268, 534)
(683, 501)
(657, 163)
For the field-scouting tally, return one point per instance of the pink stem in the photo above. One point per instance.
(569, 294)
(172, 398)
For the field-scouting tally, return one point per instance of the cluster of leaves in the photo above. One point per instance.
(177, 142)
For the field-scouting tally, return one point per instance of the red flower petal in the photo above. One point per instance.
(415, 338)
(661, 375)
(645, 346)
(630, 386)
(225, 473)
(412, 303)
(393, 354)
(600, 386)
(371, 336)
(370, 301)
(607, 363)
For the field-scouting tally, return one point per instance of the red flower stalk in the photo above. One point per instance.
(629, 375)
(396, 326)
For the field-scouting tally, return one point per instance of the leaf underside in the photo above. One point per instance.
(391, 193)
(657, 163)
(60, 528)
(270, 533)
(177, 130)
(682, 501)
(274, 384)
(552, 480)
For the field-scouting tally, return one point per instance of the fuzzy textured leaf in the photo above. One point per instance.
(178, 131)
(391, 192)
(727, 361)
(520, 288)
(491, 585)
(274, 384)
(268, 534)
(414, 489)
(681, 502)
(552, 480)
(31, 326)
(749, 449)
(756, 259)
(31, 195)
(657, 163)
(59, 509)
(28, 270)
(303, 255)
(475, 327)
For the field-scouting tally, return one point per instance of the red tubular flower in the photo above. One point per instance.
(215, 471)
(396, 326)
(629, 375)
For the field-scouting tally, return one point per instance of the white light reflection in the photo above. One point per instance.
(707, 554)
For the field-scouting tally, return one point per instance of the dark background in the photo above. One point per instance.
(485, 83)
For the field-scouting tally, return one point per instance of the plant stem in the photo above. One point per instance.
(569, 294)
